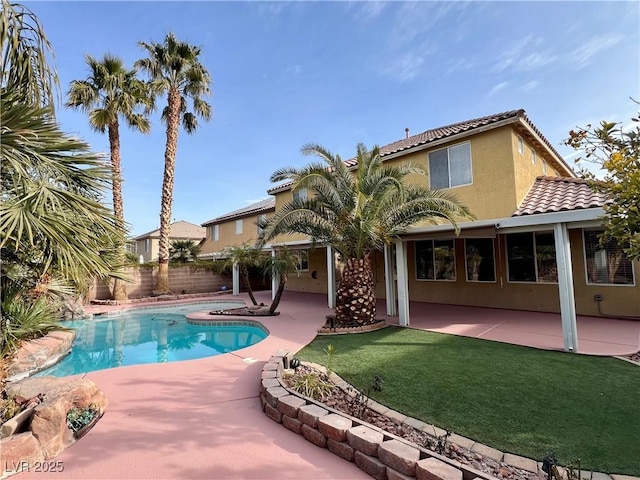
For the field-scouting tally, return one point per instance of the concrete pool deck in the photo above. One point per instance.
(202, 418)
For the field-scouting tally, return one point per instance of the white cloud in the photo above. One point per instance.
(527, 87)
(405, 67)
(366, 10)
(295, 70)
(583, 55)
(497, 88)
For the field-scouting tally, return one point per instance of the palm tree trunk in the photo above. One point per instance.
(276, 299)
(119, 286)
(173, 122)
(355, 298)
(247, 282)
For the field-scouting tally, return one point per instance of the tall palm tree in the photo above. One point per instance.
(174, 68)
(358, 212)
(109, 93)
(244, 256)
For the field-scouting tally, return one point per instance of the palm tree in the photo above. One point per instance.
(279, 266)
(109, 93)
(174, 68)
(183, 251)
(244, 256)
(357, 212)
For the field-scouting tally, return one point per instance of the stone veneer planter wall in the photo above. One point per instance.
(376, 452)
(380, 454)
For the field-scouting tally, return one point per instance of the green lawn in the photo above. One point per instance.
(517, 399)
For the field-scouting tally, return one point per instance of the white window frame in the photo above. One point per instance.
(147, 244)
(544, 166)
(259, 220)
(520, 145)
(214, 234)
(466, 266)
(300, 194)
(586, 272)
(239, 227)
(535, 260)
(433, 249)
(534, 156)
(303, 257)
(448, 149)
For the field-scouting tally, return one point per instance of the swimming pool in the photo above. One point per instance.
(153, 335)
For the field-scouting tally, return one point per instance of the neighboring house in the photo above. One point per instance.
(235, 228)
(148, 244)
(534, 245)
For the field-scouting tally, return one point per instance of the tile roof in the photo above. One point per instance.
(441, 133)
(254, 208)
(179, 229)
(557, 194)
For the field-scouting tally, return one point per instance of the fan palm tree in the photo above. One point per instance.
(358, 212)
(244, 256)
(174, 68)
(183, 251)
(109, 93)
(279, 266)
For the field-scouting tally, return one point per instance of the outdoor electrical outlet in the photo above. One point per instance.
(598, 298)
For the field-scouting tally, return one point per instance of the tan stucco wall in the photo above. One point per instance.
(304, 281)
(154, 250)
(227, 235)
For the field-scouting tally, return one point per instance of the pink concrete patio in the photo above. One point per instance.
(202, 418)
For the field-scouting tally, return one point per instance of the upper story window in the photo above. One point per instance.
(480, 260)
(451, 166)
(261, 220)
(214, 233)
(606, 264)
(544, 167)
(239, 227)
(303, 260)
(435, 260)
(147, 244)
(531, 257)
(300, 194)
(520, 144)
(534, 157)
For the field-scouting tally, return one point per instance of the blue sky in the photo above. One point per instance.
(339, 73)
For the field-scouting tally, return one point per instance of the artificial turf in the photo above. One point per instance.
(517, 399)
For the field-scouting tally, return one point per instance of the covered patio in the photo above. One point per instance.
(596, 335)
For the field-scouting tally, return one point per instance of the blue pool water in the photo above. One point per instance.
(152, 335)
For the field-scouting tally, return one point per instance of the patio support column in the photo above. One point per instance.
(236, 279)
(331, 277)
(389, 281)
(274, 279)
(565, 286)
(403, 283)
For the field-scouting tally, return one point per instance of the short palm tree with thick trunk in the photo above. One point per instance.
(174, 68)
(109, 93)
(279, 266)
(358, 212)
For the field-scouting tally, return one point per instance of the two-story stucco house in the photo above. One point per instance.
(533, 246)
(148, 244)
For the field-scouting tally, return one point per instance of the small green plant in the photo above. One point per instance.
(330, 351)
(79, 417)
(310, 385)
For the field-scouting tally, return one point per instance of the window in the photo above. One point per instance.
(520, 144)
(300, 194)
(534, 157)
(480, 260)
(606, 263)
(303, 260)
(435, 260)
(239, 227)
(214, 233)
(531, 257)
(261, 220)
(544, 167)
(450, 167)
